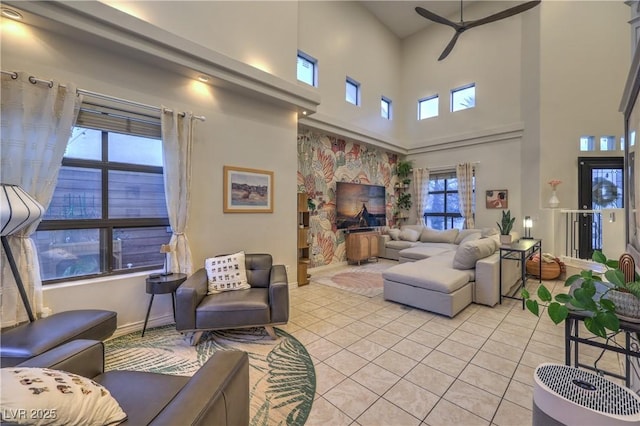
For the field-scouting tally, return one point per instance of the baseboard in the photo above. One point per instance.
(137, 326)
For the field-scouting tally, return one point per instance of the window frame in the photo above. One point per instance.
(448, 217)
(384, 99)
(356, 84)
(105, 225)
(425, 100)
(459, 89)
(314, 62)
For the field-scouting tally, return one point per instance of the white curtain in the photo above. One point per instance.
(421, 189)
(36, 124)
(177, 138)
(464, 173)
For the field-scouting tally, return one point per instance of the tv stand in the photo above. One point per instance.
(356, 230)
(362, 245)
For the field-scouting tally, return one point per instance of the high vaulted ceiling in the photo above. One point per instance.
(401, 18)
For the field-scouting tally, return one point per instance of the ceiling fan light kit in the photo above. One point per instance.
(462, 26)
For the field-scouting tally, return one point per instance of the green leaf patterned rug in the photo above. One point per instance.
(282, 378)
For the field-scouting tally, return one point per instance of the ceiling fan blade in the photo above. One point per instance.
(436, 18)
(449, 47)
(504, 14)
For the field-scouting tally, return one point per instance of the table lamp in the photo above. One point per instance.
(528, 224)
(166, 250)
(17, 211)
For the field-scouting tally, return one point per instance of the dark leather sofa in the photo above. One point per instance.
(217, 394)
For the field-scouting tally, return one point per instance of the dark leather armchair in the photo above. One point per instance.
(266, 303)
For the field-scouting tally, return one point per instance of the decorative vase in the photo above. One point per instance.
(554, 201)
(505, 239)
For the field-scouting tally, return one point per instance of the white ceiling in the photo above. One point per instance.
(402, 19)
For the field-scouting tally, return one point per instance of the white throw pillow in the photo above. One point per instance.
(394, 234)
(39, 396)
(487, 232)
(471, 237)
(429, 235)
(469, 252)
(408, 234)
(226, 273)
(463, 233)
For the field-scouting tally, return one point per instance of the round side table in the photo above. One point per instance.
(163, 284)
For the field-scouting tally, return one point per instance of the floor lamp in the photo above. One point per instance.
(17, 211)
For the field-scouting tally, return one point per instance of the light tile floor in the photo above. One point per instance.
(382, 363)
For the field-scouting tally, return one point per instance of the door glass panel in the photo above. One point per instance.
(606, 190)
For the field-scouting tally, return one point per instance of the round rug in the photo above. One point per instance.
(282, 380)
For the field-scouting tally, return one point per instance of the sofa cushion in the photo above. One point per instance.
(226, 273)
(487, 232)
(52, 396)
(470, 252)
(408, 234)
(417, 228)
(471, 237)
(429, 235)
(394, 234)
(421, 251)
(463, 233)
(421, 274)
(400, 245)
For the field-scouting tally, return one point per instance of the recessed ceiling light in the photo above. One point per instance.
(203, 78)
(304, 112)
(10, 13)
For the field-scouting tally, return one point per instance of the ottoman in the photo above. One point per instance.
(444, 291)
(25, 341)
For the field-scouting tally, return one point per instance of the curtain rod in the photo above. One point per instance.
(447, 168)
(35, 80)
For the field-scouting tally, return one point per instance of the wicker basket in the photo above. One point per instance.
(550, 271)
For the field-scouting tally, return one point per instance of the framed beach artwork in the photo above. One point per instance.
(497, 199)
(247, 190)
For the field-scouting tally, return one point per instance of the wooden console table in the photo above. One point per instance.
(362, 246)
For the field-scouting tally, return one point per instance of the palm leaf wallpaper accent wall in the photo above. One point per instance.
(324, 160)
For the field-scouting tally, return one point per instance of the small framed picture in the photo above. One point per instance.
(247, 190)
(497, 199)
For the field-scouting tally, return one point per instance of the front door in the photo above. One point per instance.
(600, 186)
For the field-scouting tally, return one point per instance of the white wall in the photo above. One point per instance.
(347, 40)
(491, 171)
(582, 74)
(259, 33)
(488, 56)
(238, 131)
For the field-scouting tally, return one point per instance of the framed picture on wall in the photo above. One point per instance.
(247, 190)
(497, 199)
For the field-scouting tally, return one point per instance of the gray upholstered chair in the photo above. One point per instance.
(266, 303)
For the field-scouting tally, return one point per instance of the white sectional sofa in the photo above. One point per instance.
(445, 271)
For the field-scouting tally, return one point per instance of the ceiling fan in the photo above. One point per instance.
(462, 26)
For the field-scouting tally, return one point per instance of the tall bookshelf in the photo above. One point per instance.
(303, 239)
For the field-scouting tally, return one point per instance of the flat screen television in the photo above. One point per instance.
(360, 206)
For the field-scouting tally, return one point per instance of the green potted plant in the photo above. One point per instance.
(404, 201)
(403, 169)
(505, 227)
(606, 301)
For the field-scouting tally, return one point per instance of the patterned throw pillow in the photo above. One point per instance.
(39, 396)
(226, 273)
